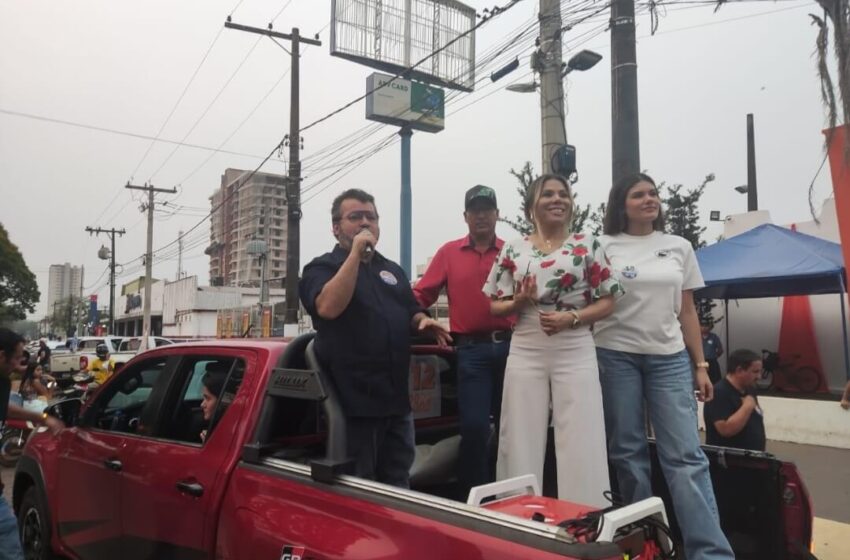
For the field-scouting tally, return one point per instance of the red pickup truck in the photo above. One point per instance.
(131, 478)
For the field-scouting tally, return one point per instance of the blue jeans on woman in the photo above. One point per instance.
(665, 383)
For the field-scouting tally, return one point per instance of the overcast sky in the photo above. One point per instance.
(123, 65)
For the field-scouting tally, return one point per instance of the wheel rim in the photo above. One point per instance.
(32, 535)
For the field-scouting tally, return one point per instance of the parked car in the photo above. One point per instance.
(64, 364)
(131, 477)
(129, 347)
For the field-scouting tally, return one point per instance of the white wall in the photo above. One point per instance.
(804, 421)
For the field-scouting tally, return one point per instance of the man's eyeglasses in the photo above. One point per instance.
(360, 215)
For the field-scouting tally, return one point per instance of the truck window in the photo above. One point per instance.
(184, 417)
(121, 407)
(89, 345)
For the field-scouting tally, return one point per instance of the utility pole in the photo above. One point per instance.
(111, 233)
(548, 63)
(146, 317)
(752, 189)
(179, 254)
(625, 133)
(293, 184)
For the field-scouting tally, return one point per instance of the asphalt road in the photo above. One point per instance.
(826, 472)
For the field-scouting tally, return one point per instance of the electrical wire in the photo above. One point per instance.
(208, 108)
(498, 11)
(64, 122)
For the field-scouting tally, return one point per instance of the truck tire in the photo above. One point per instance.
(34, 527)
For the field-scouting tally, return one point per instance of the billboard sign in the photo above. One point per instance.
(393, 35)
(405, 103)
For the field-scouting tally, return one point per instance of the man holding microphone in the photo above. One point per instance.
(364, 313)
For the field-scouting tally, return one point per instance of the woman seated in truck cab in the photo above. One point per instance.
(212, 385)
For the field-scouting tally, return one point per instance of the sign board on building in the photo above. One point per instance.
(405, 103)
(429, 40)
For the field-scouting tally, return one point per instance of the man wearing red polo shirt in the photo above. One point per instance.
(483, 340)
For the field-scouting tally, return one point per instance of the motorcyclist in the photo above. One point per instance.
(103, 366)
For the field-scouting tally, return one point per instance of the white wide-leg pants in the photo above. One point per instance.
(561, 368)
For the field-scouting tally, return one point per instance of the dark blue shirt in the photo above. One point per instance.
(711, 346)
(726, 402)
(366, 349)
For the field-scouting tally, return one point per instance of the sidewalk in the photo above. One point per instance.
(832, 540)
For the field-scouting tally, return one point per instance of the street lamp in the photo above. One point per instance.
(584, 60)
(581, 61)
(743, 189)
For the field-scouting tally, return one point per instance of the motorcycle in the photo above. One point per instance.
(15, 432)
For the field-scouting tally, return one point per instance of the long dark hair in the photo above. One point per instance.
(616, 221)
(28, 376)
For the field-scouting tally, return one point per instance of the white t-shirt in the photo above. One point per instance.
(654, 270)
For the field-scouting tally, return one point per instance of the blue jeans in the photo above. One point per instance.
(480, 376)
(382, 448)
(666, 384)
(10, 540)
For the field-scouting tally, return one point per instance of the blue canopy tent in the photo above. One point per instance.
(772, 261)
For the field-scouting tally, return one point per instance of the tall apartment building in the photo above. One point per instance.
(63, 282)
(241, 212)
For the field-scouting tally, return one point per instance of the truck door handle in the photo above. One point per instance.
(113, 465)
(192, 488)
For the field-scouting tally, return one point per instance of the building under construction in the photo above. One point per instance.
(247, 207)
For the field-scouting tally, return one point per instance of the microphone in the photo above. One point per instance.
(368, 250)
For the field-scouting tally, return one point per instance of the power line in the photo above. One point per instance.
(207, 110)
(179, 99)
(495, 12)
(124, 133)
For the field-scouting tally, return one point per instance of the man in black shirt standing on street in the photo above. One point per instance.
(734, 418)
(364, 312)
(11, 354)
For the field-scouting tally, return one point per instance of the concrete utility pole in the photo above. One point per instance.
(625, 133)
(548, 62)
(179, 254)
(111, 233)
(752, 189)
(146, 317)
(293, 184)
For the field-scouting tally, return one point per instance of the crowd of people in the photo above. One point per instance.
(589, 335)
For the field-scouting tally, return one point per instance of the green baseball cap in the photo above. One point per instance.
(480, 192)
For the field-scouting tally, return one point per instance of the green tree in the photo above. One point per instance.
(681, 208)
(525, 176)
(18, 288)
(66, 314)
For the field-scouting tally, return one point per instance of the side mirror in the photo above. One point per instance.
(67, 410)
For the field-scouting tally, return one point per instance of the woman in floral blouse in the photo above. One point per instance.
(557, 284)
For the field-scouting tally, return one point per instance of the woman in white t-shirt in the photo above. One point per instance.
(650, 351)
(557, 284)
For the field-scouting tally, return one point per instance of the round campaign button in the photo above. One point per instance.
(388, 277)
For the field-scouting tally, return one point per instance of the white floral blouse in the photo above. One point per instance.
(570, 277)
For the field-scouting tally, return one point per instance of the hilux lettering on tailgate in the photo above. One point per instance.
(292, 553)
